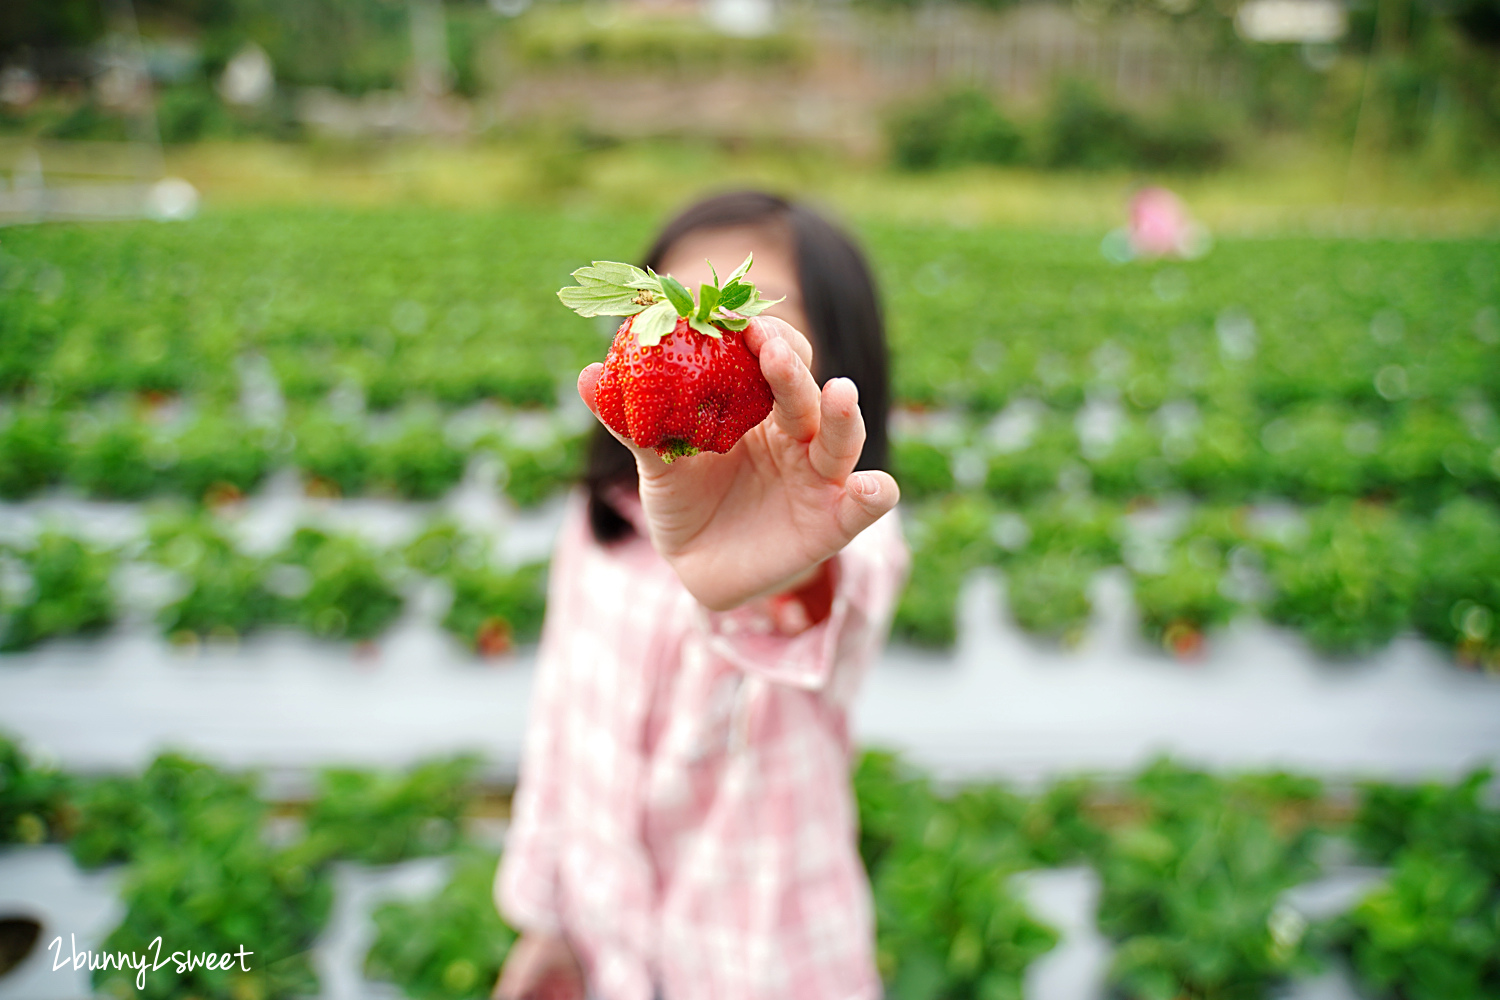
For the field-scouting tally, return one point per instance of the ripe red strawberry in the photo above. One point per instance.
(678, 377)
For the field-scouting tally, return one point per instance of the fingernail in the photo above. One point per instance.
(864, 486)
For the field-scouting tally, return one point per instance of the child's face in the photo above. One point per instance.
(774, 271)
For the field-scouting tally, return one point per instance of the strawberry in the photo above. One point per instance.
(678, 378)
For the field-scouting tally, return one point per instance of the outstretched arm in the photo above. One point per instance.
(761, 518)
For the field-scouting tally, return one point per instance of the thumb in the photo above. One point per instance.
(868, 496)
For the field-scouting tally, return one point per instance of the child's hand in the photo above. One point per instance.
(757, 520)
(541, 967)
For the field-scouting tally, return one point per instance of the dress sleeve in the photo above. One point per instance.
(526, 882)
(869, 574)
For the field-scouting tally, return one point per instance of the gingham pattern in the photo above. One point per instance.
(684, 810)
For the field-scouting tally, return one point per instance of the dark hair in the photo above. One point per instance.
(843, 316)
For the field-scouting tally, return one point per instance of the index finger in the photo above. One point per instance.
(764, 328)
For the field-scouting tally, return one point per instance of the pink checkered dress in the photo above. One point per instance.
(684, 811)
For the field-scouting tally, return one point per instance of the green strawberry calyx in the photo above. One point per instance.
(609, 288)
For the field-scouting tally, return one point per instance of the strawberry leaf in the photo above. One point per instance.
(739, 272)
(735, 294)
(704, 327)
(679, 296)
(653, 324)
(609, 272)
(600, 300)
(708, 297)
(735, 323)
(757, 305)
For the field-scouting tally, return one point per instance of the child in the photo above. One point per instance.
(684, 824)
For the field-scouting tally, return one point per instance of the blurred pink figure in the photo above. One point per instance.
(1159, 223)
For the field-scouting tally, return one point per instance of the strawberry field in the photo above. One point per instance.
(1296, 427)
(1206, 886)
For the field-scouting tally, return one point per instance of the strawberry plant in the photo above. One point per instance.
(348, 594)
(67, 591)
(1315, 453)
(226, 596)
(1190, 594)
(449, 946)
(1458, 599)
(417, 462)
(1429, 931)
(678, 377)
(176, 800)
(922, 469)
(1348, 584)
(333, 453)
(1191, 885)
(493, 609)
(116, 459)
(948, 923)
(220, 458)
(1048, 595)
(534, 472)
(949, 539)
(382, 818)
(1130, 465)
(1429, 455)
(33, 451)
(34, 798)
(1224, 463)
(203, 878)
(220, 896)
(1052, 561)
(1022, 475)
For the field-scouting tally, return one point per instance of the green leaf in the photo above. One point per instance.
(739, 272)
(735, 294)
(757, 305)
(731, 322)
(708, 297)
(679, 296)
(600, 300)
(609, 272)
(653, 324)
(704, 327)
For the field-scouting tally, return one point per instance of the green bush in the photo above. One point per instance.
(1429, 931)
(493, 609)
(219, 457)
(532, 474)
(177, 800)
(335, 453)
(1061, 544)
(226, 596)
(68, 592)
(34, 798)
(33, 452)
(1348, 585)
(1191, 886)
(383, 818)
(952, 129)
(922, 469)
(950, 538)
(348, 594)
(447, 947)
(1084, 130)
(417, 462)
(116, 459)
(948, 923)
(1189, 595)
(1048, 595)
(1458, 599)
(220, 897)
